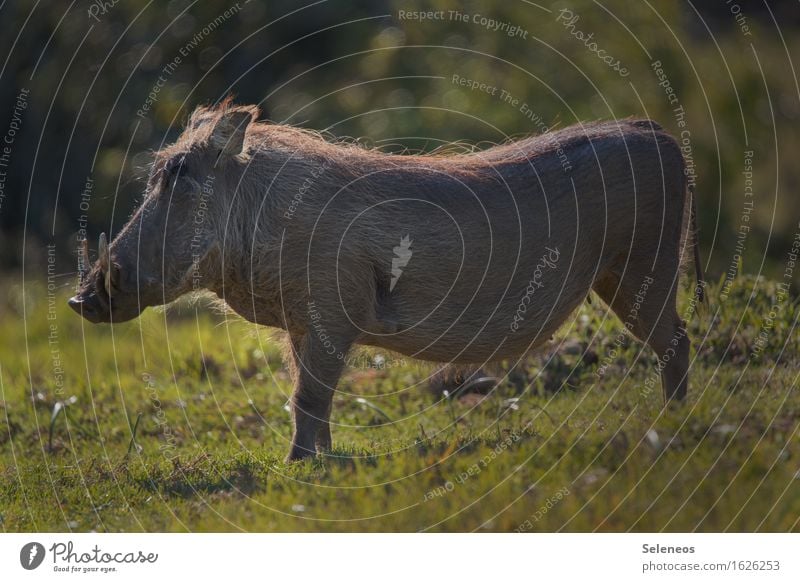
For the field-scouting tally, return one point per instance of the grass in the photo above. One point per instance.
(178, 422)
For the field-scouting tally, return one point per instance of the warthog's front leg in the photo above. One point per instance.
(324, 440)
(317, 370)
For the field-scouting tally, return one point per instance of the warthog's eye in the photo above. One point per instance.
(175, 167)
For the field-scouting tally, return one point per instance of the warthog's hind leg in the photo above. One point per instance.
(645, 302)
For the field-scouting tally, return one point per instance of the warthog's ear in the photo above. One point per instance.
(229, 131)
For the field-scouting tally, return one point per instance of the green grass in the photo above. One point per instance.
(576, 452)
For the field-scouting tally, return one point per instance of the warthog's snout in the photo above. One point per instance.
(102, 296)
(89, 307)
(96, 309)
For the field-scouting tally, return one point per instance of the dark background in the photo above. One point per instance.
(358, 70)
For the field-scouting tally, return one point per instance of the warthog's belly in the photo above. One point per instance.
(455, 346)
(515, 307)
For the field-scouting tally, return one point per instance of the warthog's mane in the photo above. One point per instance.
(263, 135)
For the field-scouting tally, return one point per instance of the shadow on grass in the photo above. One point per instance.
(202, 475)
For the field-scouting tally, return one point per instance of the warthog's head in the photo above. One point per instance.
(173, 240)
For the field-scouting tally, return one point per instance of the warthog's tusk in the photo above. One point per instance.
(102, 251)
(105, 261)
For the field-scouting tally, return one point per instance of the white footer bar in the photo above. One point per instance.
(407, 557)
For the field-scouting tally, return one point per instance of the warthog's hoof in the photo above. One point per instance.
(299, 453)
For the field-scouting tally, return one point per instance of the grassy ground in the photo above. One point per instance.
(574, 451)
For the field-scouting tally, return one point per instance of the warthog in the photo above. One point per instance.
(451, 257)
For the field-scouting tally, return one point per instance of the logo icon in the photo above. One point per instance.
(403, 254)
(31, 555)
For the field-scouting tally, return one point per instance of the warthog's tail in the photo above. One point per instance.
(699, 290)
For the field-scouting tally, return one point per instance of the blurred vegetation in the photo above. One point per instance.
(356, 68)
